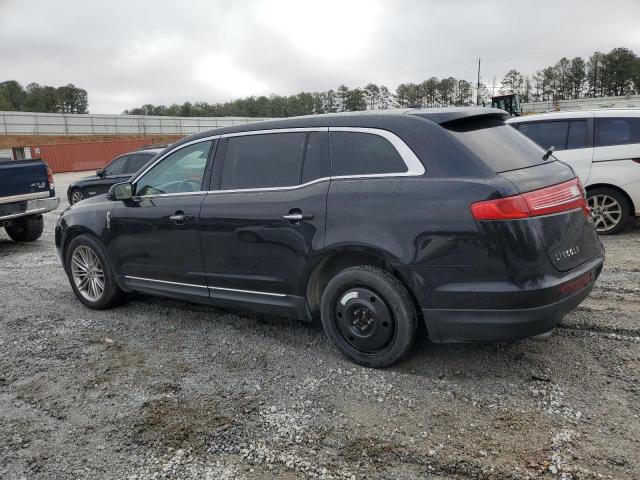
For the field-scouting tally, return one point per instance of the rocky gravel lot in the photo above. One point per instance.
(166, 389)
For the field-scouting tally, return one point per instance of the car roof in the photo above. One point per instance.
(153, 151)
(602, 112)
(392, 119)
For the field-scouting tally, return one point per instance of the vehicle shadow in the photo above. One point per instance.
(454, 362)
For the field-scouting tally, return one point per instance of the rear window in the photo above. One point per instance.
(501, 147)
(617, 131)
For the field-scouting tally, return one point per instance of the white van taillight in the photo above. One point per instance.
(555, 199)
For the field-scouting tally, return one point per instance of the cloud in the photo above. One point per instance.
(127, 53)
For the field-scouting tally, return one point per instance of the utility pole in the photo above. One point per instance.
(478, 85)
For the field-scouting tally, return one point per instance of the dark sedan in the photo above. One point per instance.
(118, 170)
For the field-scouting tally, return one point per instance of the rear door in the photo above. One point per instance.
(572, 139)
(617, 144)
(266, 214)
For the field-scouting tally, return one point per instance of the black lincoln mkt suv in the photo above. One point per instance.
(371, 221)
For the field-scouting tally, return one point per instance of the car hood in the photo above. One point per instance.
(87, 202)
(87, 179)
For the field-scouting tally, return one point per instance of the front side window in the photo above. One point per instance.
(356, 153)
(116, 167)
(179, 172)
(547, 134)
(617, 131)
(263, 161)
(137, 161)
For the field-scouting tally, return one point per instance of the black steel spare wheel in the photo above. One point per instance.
(364, 320)
(369, 316)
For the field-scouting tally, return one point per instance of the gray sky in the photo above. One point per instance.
(127, 53)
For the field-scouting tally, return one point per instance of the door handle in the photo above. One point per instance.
(181, 217)
(296, 216)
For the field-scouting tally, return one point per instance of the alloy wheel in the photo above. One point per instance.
(76, 197)
(606, 212)
(87, 273)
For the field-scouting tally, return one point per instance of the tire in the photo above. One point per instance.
(369, 316)
(610, 210)
(79, 258)
(75, 196)
(26, 229)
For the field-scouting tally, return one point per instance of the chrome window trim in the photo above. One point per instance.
(415, 168)
(269, 189)
(255, 292)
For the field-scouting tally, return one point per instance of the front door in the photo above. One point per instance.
(156, 239)
(267, 218)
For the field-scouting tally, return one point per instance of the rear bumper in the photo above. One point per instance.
(35, 207)
(499, 325)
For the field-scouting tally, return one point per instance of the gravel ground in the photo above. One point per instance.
(165, 389)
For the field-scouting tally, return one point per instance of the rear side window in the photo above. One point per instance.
(547, 134)
(617, 131)
(355, 153)
(137, 161)
(498, 145)
(117, 166)
(263, 161)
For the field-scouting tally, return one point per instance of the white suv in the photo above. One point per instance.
(603, 147)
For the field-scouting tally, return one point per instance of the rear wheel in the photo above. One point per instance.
(26, 229)
(76, 196)
(369, 316)
(610, 210)
(90, 274)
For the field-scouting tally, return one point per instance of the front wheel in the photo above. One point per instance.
(90, 274)
(610, 210)
(26, 229)
(76, 196)
(369, 316)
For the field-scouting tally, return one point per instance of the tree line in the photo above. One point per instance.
(602, 74)
(42, 98)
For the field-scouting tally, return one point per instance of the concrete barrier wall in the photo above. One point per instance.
(29, 123)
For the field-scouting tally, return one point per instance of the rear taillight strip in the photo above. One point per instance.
(554, 199)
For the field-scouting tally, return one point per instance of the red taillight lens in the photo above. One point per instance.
(50, 177)
(557, 198)
(501, 209)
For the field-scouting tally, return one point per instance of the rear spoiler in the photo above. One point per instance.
(448, 115)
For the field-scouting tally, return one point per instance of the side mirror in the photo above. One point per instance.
(100, 172)
(121, 191)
